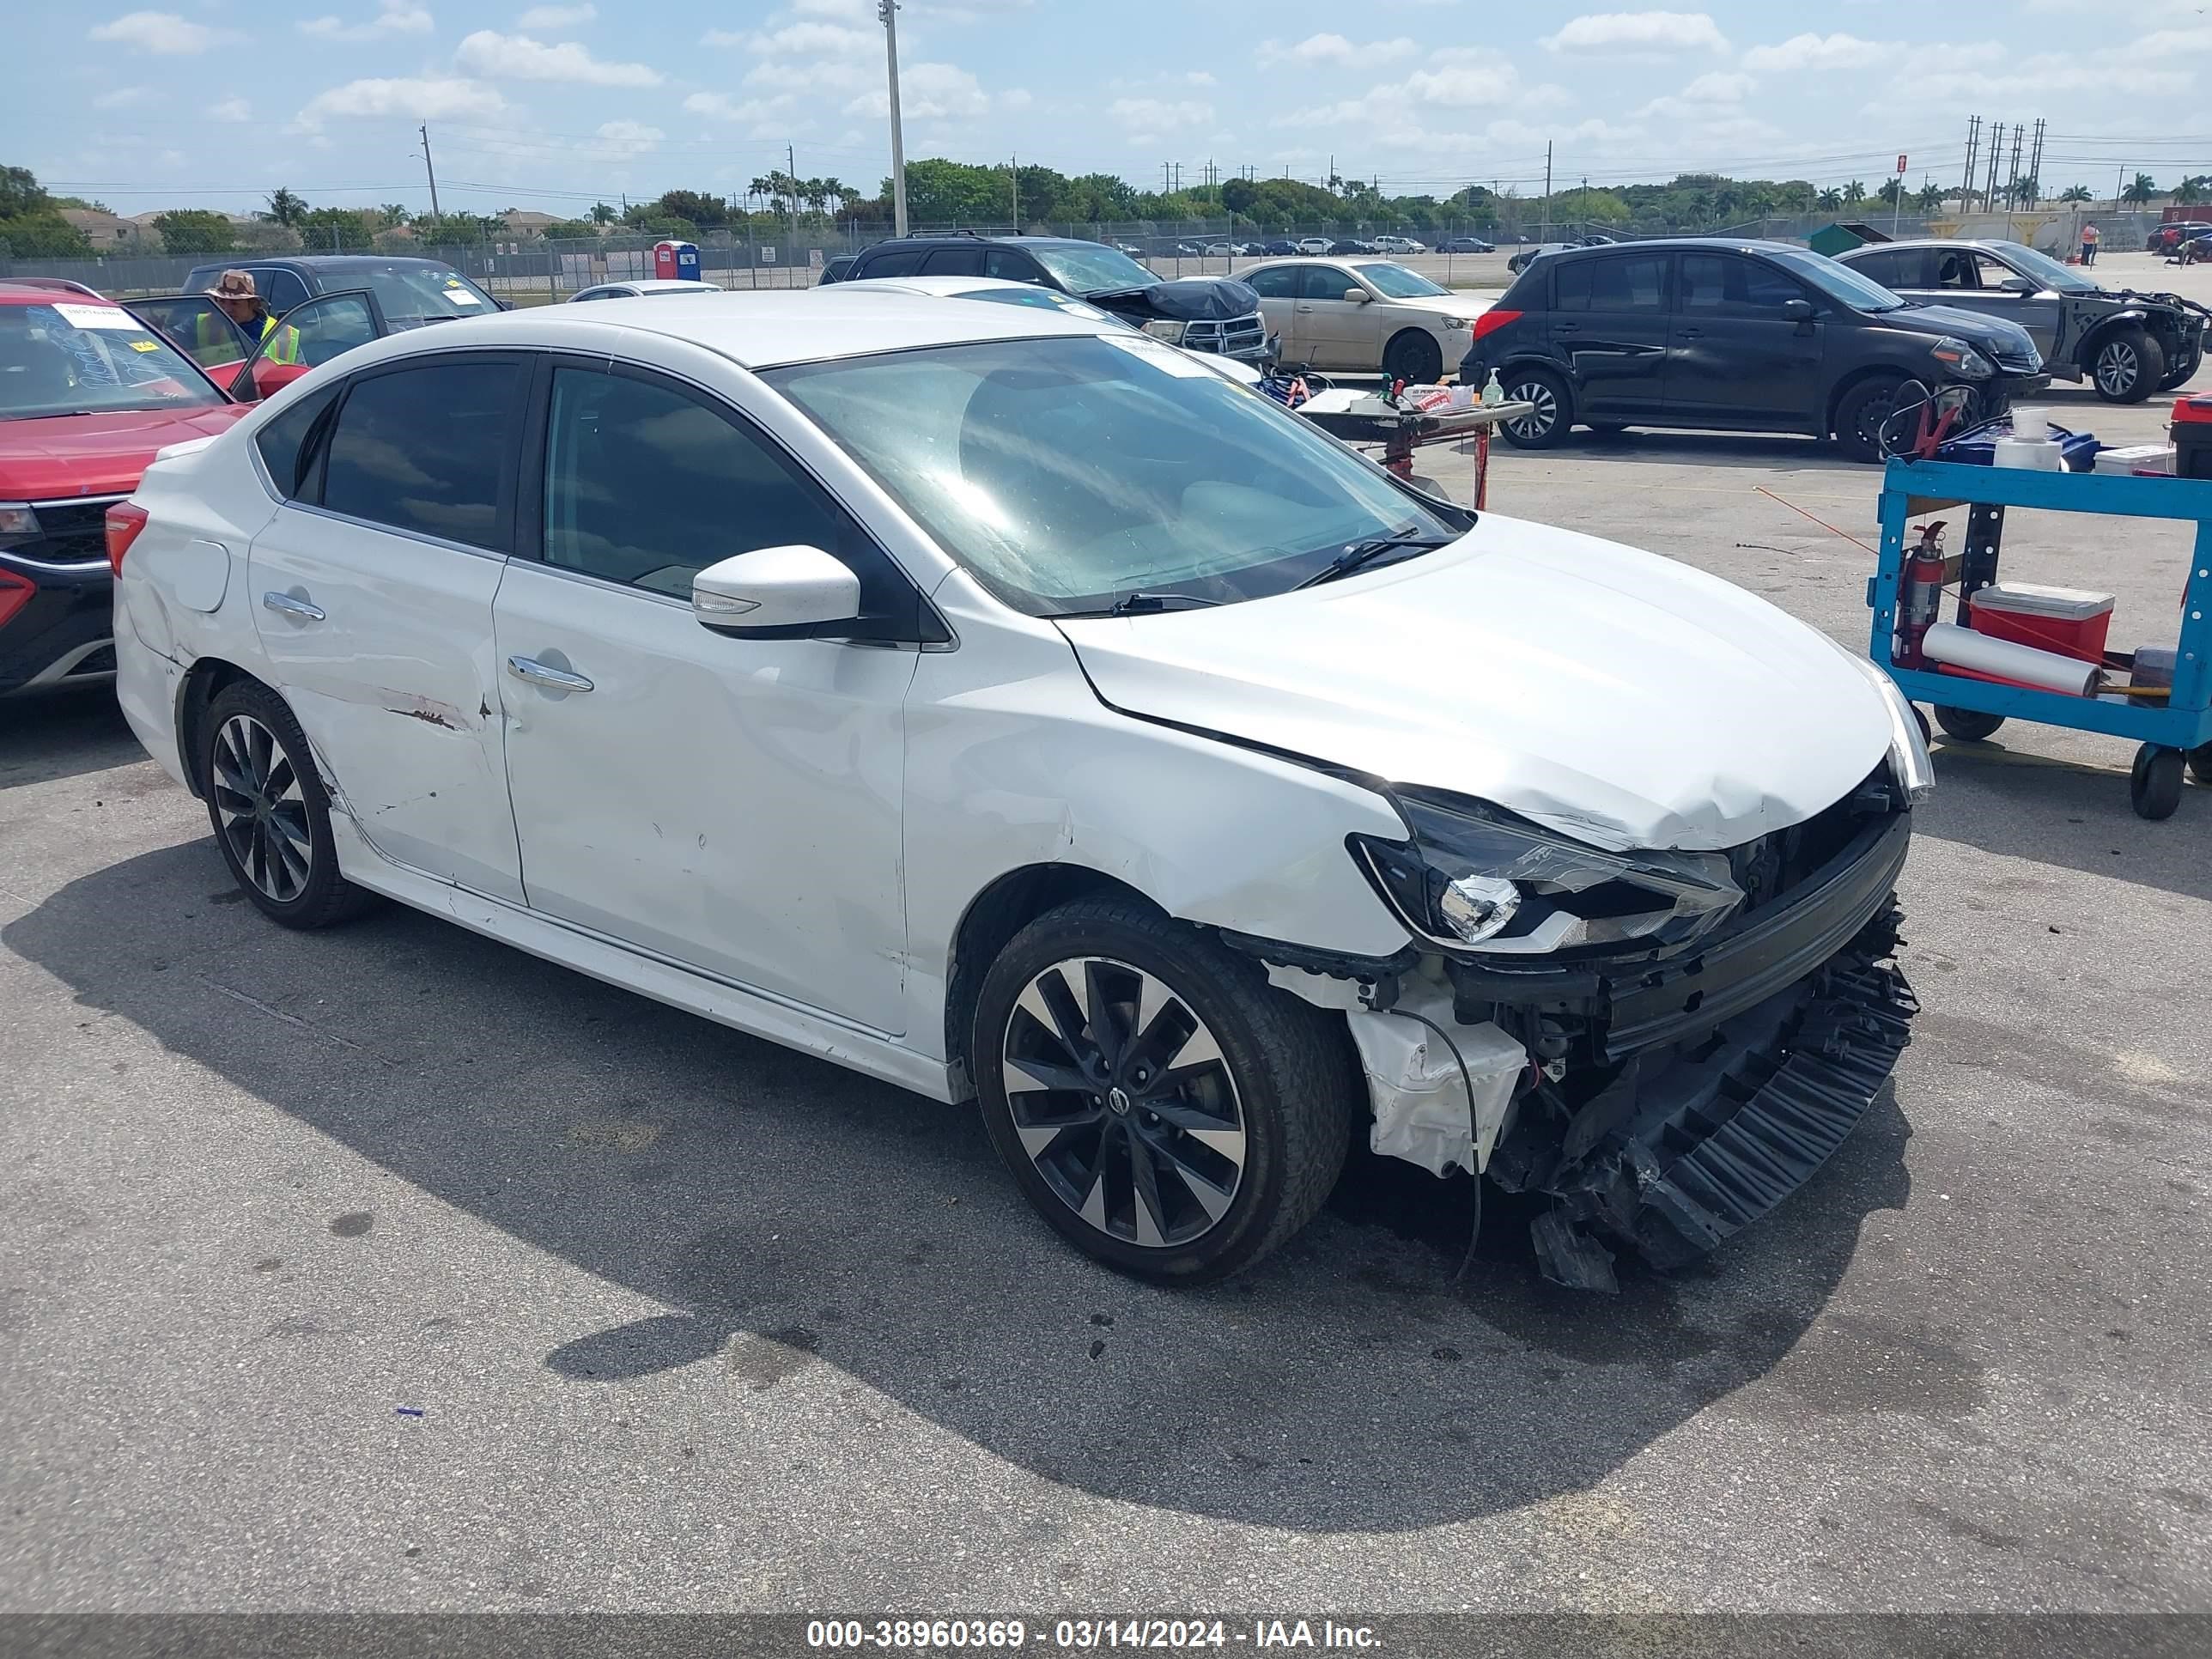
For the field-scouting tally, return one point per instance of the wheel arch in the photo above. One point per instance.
(202, 684)
(1417, 331)
(1850, 383)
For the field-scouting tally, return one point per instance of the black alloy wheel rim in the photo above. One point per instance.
(1541, 417)
(1123, 1103)
(263, 810)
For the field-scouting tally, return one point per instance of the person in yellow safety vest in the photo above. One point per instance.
(236, 297)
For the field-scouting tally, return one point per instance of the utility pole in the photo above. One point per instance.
(432, 171)
(791, 184)
(1014, 172)
(887, 11)
(2035, 163)
(1997, 159)
(1546, 230)
(2119, 186)
(1973, 146)
(2012, 188)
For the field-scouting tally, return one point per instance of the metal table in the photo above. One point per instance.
(1362, 418)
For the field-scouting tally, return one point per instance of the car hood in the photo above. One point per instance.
(1614, 696)
(1975, 327)
(64, 455)
(1190, 298)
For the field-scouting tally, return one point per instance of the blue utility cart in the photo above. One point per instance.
(2175, 731)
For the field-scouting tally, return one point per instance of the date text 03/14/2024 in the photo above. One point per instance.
(934, 1635)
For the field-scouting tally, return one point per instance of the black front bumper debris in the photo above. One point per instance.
(1688, 1144)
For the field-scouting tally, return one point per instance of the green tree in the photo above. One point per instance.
(334, 230)
(20, 193)
(2139, 190)
(286, 209)
(708, 212)
(2076, 193)
(603, 215)
(1830, 199)
(394, 215)
(570, 230)
(1855, 192)
(196, 230)
(451, 229)
(31, 224)
(1930, 198)
(1890, 190)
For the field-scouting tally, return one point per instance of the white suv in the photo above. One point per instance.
(999, 704)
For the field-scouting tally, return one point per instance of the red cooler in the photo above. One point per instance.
(2070, 621)
(2192, 432)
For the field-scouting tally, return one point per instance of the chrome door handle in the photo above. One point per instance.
(539, 673)
(285, 605)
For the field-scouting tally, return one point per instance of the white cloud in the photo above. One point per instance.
(1826, 51)
(628, 138)
(160, 32)
(394, 17)
(1717, 86)
(1336, 52)
(794, 40)
(1015, 98)
(1637, 31)
(927, 92)
(519, 58)
(556, 17)
(231, 109)
(120, 98)
(1148, 116)
(424, 98)
(850, 11)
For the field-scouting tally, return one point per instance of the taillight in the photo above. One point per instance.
(1494, 319)
(14, 593)
(125, 521)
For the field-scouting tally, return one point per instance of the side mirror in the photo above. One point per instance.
(1355, 296)
(2016, 285)
(1797, 311)
(775, 592)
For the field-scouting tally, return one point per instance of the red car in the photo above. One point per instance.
(88, 393)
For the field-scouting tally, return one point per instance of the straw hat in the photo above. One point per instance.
(233, 285)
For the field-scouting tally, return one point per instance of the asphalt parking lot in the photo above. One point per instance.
(691, 1321)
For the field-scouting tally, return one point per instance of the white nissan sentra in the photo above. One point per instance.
(1003, 705)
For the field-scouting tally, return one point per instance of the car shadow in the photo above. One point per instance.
(50, 735)
(1669, 447)
(785, 1214)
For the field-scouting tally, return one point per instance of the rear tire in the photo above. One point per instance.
(2200, 763)
(1860, 415)
(269, 810)
(1173, 1114)
(2154, 782)
(1413, 357)
(1546, 426)
(2127, 366)
(1967, 725)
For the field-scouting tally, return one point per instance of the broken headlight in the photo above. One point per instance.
(1475, 878)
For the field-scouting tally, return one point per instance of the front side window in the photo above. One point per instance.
(1396, 283)
(320, 331)
(2042, 270)
(1010, 265)
(1729, 283)
(72, 357)
(1065, 473)
(1324, 283)
(427, 450)
(1622, 283)
(1838, 281)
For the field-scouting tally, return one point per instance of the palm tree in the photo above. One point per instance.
(2192, 190)
(1930, 198)
(1830, 199)
(286, 209)
(603, 215)
(394, 213)
(2076, 193)
(1854, 193)
(2141, 190)
(1890, 190)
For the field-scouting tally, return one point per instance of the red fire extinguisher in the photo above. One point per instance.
(1919, 595)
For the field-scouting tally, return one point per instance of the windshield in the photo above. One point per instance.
(2041, 268)
(1396, 283)
(1065, 473)
(1047, 299)
(1093, 268)
(415, 291)
(70, 359)
(1839, 283)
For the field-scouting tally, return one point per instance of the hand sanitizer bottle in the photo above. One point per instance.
(1492, 393)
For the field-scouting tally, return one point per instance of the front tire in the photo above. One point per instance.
(1414, 358)
(2127, 366)
(1552, 416)
(1860, 416)
(1160, 1104)
(269, 810)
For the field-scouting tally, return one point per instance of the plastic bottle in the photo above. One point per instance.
(1492, 393)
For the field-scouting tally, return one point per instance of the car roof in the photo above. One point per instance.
(322, 261)
(943, 285)
(1932, 241)
(656, 285)
(763, 330)
(22, 294)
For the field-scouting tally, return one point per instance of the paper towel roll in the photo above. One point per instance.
(2043, 455)
(1962, 648)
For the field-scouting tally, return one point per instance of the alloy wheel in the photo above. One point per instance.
(1123, 1102)
(262, 809)
(2117, 368)
(1541, 417)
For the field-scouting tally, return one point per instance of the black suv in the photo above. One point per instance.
(409, 291)
(1201, 313)
(1749, 337)
(2126, 344)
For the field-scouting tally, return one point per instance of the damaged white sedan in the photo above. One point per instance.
(1002, 705)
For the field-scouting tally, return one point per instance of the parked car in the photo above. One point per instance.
(1156, 864)
(1749, 335)
(1594, 240)
(995, 291)
(2125, 344)
(1316, 244)
(1399, 244)
(1351, 245)
(631, 290)
(1275, 246)
(840, 267)
(1527, 256)
(1219, 250)
(408, 292)
(2169, 236)
(1465, 245)
(1205, 314)
(88, 393)
(1364, 316)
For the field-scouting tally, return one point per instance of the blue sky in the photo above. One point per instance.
(553, 105)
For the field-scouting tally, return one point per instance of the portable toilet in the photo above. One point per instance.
(675, 261)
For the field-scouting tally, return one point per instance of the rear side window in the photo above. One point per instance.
(1893, 268)
(894, 262)
(1631, 283)
(1277, 283)
(284, 447)
(429, 451)
(281, 288)
(953, 262)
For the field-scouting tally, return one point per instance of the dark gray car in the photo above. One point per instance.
(2126, 344)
